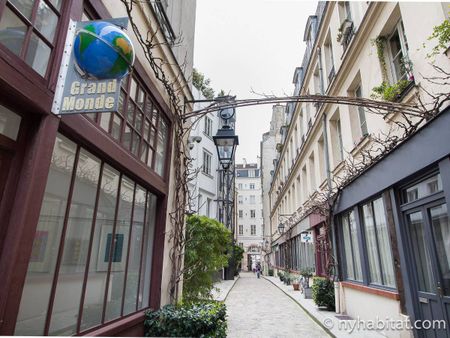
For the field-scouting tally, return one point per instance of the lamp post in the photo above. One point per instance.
(226, 142)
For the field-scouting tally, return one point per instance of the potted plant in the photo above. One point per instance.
(306, 275)
(296, 283)
(287, 278)
(280, 275)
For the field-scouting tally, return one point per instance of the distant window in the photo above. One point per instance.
(252, 199)
(241, 213)
(251, 173)
(252, 213)
(239, 185)
(240, 199)
(28, 29)
(362, 114)
(398, 53)
(206, 169)
(208, 127)
(253, 229)
(241, 229)
(252, 185)
(208, 207)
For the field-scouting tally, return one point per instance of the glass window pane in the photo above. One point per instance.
(138, 121)
(24, 6)
(76, 245)
(9, 123)
(150, 157)
(154, 116)
(355, 245)
(104, 121)
(121, 101)
(152, 138)
(116, 127)
(135, 144)
(420, 253)
(148, 108)
(126, 138)
(146, 132)
(118, 249)
(41, 268)
(161, 147)
(140, 98)
(146, 263)
(57, 4)
(441, 230)
(384, 244)
(133, 89)
(371, 242)
(425, 188)
(46, 21)
(12, 31)
(143, 152)
(347, 248)
(98, 264)
(130, 112)
(134, 258)
(38, 54)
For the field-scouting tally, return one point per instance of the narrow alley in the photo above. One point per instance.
(257, 308)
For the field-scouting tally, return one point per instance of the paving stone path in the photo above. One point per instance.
(257, 308)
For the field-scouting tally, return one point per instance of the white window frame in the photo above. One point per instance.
(403, 49)
(207, 127)
(207, 158)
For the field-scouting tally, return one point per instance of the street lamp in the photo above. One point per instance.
(226, 141)
(281, 228)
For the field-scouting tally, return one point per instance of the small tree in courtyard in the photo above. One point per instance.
(205, 253)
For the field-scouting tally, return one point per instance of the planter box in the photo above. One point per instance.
(307, 293)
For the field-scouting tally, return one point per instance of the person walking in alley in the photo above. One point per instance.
(258, 270)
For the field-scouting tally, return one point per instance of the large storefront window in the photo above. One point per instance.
(28, 29)
(139, 126)
(91, 256)
(351, 247)
(377, 242)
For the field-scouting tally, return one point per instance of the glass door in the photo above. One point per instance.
(428, 230)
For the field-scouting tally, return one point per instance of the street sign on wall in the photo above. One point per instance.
(306, 237)
(93, 87)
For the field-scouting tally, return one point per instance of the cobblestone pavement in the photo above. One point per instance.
(257, 308)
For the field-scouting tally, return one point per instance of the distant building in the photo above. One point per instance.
(268, 163)
(203, 189)
(249, 213)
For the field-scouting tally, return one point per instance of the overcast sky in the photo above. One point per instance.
(245, 44)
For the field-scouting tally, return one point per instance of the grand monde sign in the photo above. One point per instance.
(97, 55)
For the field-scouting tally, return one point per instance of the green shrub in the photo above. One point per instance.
(270, 272)
(207, 319)
(388, 92)
(207, 242)
(323, 292)
(238, 256)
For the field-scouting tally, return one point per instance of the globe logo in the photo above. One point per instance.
(103, 51)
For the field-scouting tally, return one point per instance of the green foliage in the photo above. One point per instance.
(238, 256)
(270, 272)
(307, 272)
(206, 319)
(442, 34)
(202, 84)
(388, 92)
(207, 241)
(379, 43)
(323, 292)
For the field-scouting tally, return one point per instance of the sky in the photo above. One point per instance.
(251, 45)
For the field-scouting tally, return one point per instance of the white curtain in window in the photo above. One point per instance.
(355, 244)
(347, 248)
(371, 242)
(387, 267)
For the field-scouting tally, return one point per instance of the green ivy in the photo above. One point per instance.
(380, 43)
(238, 256)
(388, 92)
(207, 242)
(442, 34)
(323, 292)
(206, 319)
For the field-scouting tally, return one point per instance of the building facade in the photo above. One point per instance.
(389, 228)
(203, 188)
(84, 199)
(268, 159)
(249, 230)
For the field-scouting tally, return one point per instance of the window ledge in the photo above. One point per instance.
(208, 136)
(375, 291)
(208, 175)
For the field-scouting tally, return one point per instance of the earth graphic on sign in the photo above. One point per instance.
(103, 51)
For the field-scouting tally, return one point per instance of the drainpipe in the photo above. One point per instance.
(319, 56)
(333, 234)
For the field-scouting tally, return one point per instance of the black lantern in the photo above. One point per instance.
(281, 228)
(226, 142)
